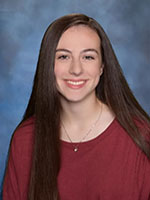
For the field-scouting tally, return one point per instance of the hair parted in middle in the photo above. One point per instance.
(45, 78)
(44, 104)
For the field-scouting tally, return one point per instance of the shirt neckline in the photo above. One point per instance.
(108, 130)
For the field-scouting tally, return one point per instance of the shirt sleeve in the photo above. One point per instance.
(147, 178)
(17, 176)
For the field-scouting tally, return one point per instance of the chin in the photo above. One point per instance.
(73, 100)
(77, 98)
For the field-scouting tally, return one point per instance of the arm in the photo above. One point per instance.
(19, 165)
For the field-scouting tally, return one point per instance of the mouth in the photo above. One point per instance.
(75, 84)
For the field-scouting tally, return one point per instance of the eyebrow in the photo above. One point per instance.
(66, 50)
(83, 51)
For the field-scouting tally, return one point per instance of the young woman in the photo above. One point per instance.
(83, 136)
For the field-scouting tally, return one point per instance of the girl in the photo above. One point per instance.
(83, 135)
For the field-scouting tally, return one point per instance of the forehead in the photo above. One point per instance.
(79, 36)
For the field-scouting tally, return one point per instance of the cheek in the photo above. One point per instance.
(60, 70)
(57, 72)
(95, 72)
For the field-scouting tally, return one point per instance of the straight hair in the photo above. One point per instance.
(44, 105)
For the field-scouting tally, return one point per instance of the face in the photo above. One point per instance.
(78, 64)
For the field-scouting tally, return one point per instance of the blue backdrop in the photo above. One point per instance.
(22, 25)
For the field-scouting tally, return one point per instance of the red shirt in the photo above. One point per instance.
(109, 167)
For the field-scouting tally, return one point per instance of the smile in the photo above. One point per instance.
(75, 84)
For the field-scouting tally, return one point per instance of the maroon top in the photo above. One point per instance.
(109, 167)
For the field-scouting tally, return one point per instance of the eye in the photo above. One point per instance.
(88, 57)
(63, 57)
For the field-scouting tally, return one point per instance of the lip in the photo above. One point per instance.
(75, 83)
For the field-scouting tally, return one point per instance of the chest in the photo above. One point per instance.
(101, 174)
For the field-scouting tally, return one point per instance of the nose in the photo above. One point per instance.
(76, 67)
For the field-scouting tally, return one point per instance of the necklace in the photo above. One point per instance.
(76, 147)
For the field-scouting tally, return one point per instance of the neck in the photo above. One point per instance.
(80, 113)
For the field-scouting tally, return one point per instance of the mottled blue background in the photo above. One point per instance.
(22, 25)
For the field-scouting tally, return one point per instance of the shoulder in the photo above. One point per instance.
(23, 138)
(25, 130)
(22, 143)
(19, 161)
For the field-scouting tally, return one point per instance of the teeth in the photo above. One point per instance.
(76, 83)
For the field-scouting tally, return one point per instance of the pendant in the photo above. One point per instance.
(75, 149)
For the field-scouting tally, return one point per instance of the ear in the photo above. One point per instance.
(101, 69)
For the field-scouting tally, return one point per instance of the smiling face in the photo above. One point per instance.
(78, 63)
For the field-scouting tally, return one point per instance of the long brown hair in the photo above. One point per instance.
(44, 104)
